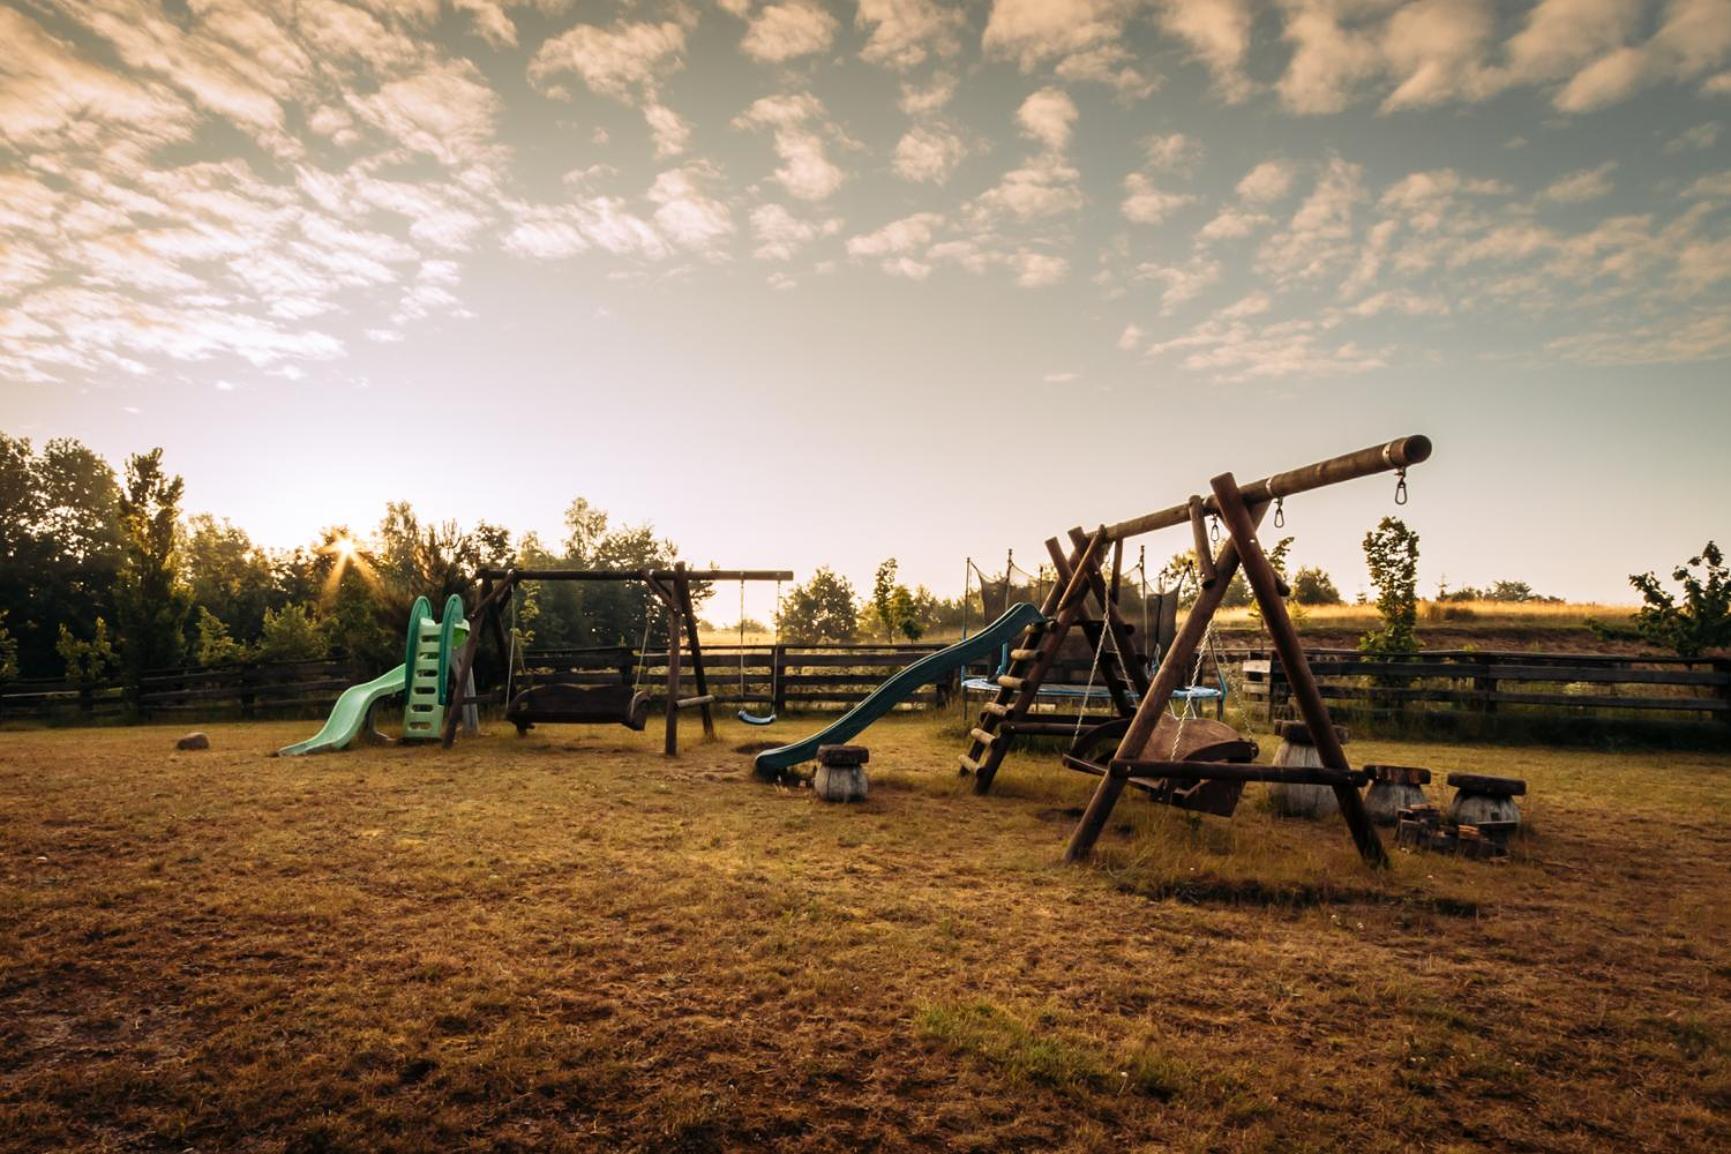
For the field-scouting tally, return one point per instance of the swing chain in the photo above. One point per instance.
(1213, 529)
(1280, 512)
(1400, 487)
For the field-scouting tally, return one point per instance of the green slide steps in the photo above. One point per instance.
(350, 715)
(898, 688)
(429, 663)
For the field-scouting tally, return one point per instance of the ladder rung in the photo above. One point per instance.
(1008, 682)
(969, 765)
(996, 708)
(982, 736)
(1024, 654)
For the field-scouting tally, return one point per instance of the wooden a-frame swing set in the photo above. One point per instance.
(1150, 753)
(671, 588)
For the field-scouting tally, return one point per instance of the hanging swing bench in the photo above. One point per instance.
(561, 691)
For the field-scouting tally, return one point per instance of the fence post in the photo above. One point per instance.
(1722, 666)
(778, 678)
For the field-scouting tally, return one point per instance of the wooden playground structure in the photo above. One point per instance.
(1170, 758)
(620, 704)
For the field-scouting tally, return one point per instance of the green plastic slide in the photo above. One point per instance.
(932, 667)
(350, 715)
(423, 678)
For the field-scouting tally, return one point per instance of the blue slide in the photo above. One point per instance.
(932, 667)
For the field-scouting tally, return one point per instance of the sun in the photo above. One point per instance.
(343, 549)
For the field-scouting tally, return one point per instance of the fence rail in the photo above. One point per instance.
(1478, 683)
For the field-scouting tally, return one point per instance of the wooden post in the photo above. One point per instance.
(1115, 687)
(1174, 667)
(682, 588)
(1265, 584)
(778, 678)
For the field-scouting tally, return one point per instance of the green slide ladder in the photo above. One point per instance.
(1016, 620)
(424, 679)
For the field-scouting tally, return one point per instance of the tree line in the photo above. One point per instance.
(103, 576)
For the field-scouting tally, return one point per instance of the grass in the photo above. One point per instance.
(570, 943)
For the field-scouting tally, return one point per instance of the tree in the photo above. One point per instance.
(900, 612)
(289, 634)
(59, 544)
(821, 610)
(212, 644)
(1311, 586)
(1703, 620)
(229, 576)
(1391, 551)
(8, 652)
(151, 602)
(86, 663)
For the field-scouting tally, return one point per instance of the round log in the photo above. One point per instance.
(840, 783)
(1298, 749)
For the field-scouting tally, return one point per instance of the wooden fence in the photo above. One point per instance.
(796, 678)
(251, 690)
(1498, 685)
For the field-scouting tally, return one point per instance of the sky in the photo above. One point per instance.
(804, 283)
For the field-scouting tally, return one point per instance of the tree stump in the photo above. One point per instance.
(1392, 789)
(193, 741)
(841, 774)
(1298, 750)
(1482, 800)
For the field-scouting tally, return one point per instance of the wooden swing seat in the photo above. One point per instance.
(1197, 739)
(578, 705)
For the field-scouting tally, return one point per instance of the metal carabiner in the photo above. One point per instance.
(1400, 488)
(1280, 512)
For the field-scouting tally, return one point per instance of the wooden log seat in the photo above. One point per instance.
(1392, 789)
(578, 705)
(1484, 800)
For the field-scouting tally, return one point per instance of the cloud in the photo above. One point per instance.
(928, 154)
(1080, 39)
(1046, 186)
(686, 215)
(1048, 117)
(1173, 152)
(1218, 34)
(904, 33)
(1583, 185)
(1700, 138)
(1267, 183)
(445, 111)
(780, 234)
(1233, 223)
(1329, 59)
(797, 123)
(620, 61)
(1146, 204)
(1233, 351)
(1180, 283)
(1037, 270)
(1318, 239)
(787, 31)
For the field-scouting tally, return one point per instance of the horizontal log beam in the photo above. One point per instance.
(1137, 769)
(1396, 454)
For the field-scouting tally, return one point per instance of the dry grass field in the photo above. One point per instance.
(570, 943)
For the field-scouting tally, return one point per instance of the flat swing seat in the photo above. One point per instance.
(578, 705)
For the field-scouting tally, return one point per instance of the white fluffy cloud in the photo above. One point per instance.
(788, 30)
(1048, 116)
(928, 154)
(904, 33)
(1078, 39)
(799, 127)
(1218, 34)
